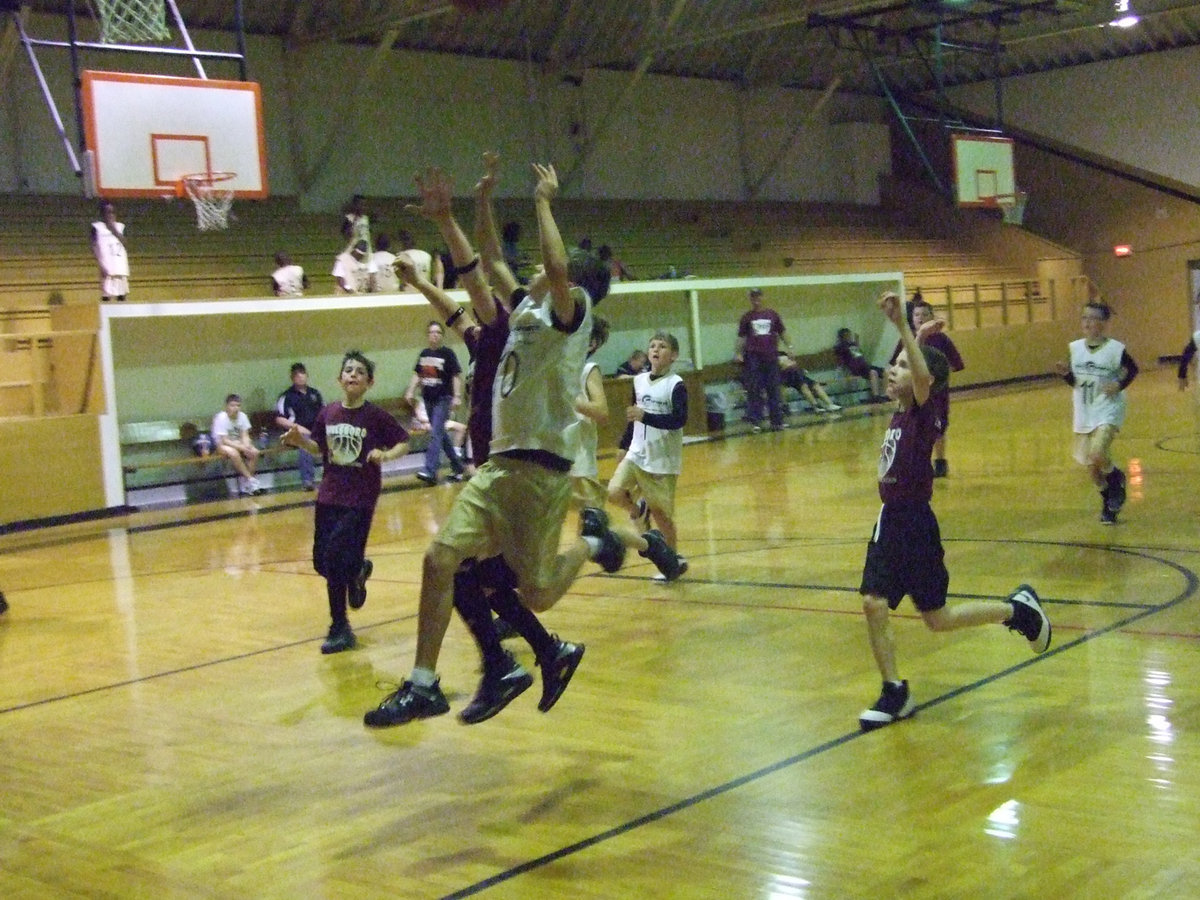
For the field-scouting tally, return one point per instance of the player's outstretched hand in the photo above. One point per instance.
(889, 302)
(437, 190)
(490, 177)
(547, 185)
(932, 327)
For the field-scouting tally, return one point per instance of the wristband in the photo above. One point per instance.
(469, 267)
(457, 314)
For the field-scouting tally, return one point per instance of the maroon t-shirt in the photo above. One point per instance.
(905, 473)
(486, 346)
(346, 437)
(761, 329)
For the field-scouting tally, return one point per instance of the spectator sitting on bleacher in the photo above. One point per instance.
(298, 406)
(510, 236)
(851, 356)
(351, 273)
(813, 392)
(288, 279)
(383, 280)
(427, 265)
(635, 365)
(233, 440)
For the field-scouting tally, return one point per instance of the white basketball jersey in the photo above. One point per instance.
(110, 251)
(1093, 368)
(385, 280)
(533, 400)
(588, 435)
(422, 262)
(656, 450)
(289, 281)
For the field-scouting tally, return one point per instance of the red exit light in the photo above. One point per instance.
(1122, 250)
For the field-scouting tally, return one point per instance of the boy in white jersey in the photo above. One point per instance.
(1099, 370)
(591, 409)
(108, 245)
(655, 456)
(516, 504)
(288, 279)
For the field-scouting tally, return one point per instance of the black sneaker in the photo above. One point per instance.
(358, 587)
(557, 672)
(1115, 495)
(496, 691)
(593, 521)
(3, 604)
(1107, 516)
(941, 468)
(1029, 619)
(664, 558)
(340, 638)
(611, 555)
(408, 703)
(427, 477)
(894, 703)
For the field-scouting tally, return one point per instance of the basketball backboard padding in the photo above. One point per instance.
(148, 131)
(983, 169)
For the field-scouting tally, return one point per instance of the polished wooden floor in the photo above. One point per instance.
(168, 727)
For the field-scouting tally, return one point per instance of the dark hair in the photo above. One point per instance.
(1101, 307)
(604, 252)
(231, 397)
(382, 241)
(357, 356)
(282, 259)
(668, 338)
(599, 335)
(920, 301)
(844, 332)
(433, 322)
(299, 367)
(939, 368)
(590, 273)
(405, 238)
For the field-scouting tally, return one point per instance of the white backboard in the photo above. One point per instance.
(147, 131)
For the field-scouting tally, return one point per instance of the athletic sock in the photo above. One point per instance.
(593, 544)
(422, 677)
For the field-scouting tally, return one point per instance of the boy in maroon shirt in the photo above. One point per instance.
(905, 553)
(354, 437)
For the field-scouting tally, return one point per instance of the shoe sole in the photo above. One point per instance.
(867, 724)
(564, 678)
(513, 690)
(358, 590)
(392, 722)
(1042, 641)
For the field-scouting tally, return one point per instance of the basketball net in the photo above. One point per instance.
(211, 197)
(132, 21)
(1012, 207)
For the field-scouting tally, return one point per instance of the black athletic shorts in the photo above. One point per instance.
(340, 541)
(905, 556)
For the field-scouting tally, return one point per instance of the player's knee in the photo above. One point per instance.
(440, 562)
(874, 608)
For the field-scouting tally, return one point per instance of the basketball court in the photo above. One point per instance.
(171, 728)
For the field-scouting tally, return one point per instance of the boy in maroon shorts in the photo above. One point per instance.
(354, 437)
(905, 553)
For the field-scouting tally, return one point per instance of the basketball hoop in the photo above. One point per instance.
(211, 197)
(1012, 207)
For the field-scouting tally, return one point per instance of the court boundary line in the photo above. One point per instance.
(1191, 584)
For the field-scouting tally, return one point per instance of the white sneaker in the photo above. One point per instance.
(254, 486)
(832, 407)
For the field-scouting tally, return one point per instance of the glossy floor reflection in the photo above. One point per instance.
(170, 729)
